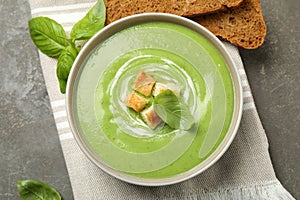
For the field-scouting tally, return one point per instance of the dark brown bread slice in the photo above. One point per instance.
(243, 26)
(117, 9)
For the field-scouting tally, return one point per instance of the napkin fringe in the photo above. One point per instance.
(274, 191)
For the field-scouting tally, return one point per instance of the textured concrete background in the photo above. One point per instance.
(274, 75)
(29, 143)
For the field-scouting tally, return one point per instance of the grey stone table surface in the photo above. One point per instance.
(29, 143)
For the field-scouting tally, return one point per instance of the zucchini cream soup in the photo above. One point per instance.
(154, 100)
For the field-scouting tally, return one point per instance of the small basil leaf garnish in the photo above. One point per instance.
(93, 21)
(187, 119)
(172, 111)
(48, 35)
(31, 189)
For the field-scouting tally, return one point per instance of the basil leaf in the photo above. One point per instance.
(64, 65)
(93, 21)
(62, 85)
(187, 119)
(48, 35)
(65, 62)
(36, 190)
(172, 111)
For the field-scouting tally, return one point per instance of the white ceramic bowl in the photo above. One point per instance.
(108, 32)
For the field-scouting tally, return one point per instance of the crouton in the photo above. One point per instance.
(136, 102)
(151, 118)
(144, 84)
(160, 87)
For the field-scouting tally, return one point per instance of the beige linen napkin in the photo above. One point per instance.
(244, 172)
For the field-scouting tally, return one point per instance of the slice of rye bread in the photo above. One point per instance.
(243, 26)
(116, 9)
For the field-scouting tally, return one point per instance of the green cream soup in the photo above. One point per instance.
(171, 53)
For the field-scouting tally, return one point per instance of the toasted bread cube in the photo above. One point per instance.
(151, 118)
(144, 84)
(136, 102)
(160, 87)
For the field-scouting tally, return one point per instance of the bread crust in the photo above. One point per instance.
(239, 22)
(243, 26)
(116, 9)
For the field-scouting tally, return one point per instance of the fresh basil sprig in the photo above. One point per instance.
(31, 189)
(173, 111)
(50, 38)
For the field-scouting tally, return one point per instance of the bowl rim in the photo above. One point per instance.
(113, 28)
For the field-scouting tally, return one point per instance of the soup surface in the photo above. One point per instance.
(171, 53)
